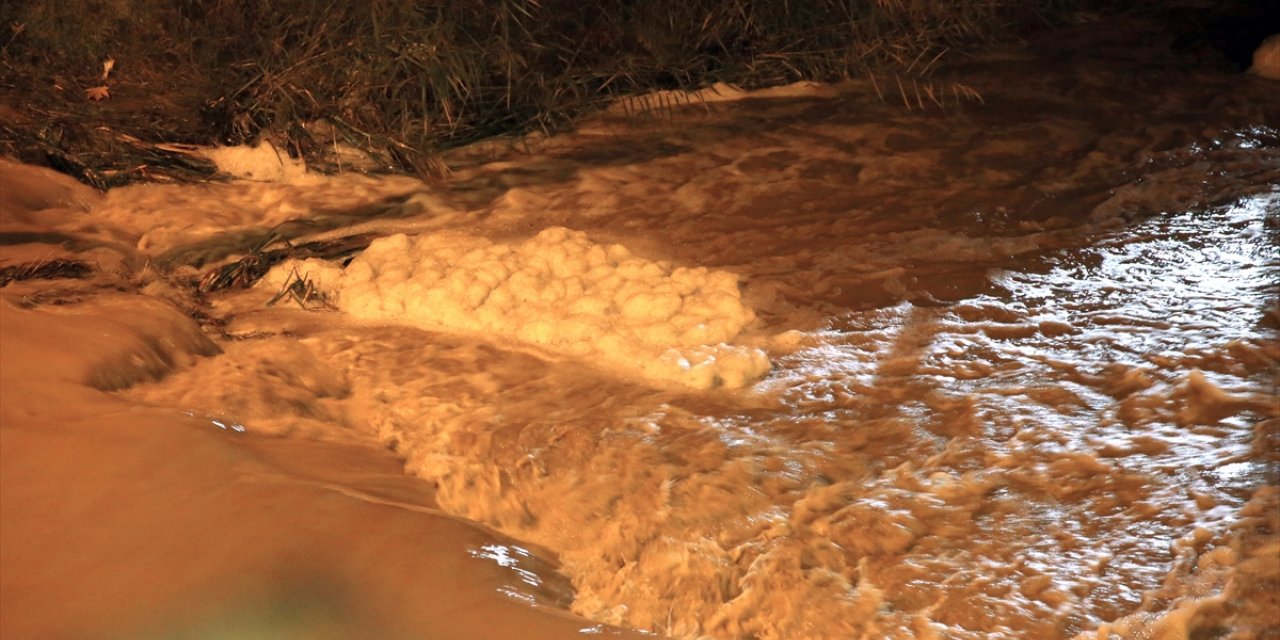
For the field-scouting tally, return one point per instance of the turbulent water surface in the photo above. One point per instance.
(1023, 357)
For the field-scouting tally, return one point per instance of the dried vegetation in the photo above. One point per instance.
(403, 79)
(53, 269)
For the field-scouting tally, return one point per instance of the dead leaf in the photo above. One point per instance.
(97, 93)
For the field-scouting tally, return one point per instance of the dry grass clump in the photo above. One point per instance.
(54, 269)
(403, 78)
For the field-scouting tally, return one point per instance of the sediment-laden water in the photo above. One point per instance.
(1022, 354)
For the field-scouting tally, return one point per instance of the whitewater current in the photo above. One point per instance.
(977, 370)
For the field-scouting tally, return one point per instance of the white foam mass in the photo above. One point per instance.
(262, 162)
(558, 290)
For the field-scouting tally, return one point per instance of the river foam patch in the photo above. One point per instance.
(559, 291)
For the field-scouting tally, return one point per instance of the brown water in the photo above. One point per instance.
(1024, 376)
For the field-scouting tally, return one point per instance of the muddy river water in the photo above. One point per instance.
(1021, 381)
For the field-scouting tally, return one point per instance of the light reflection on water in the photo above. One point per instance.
(221, 423)
(1083, 421)
(509, 557)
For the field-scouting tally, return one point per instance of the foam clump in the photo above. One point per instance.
(1266, 59)
(558, 290)
(262, 162)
